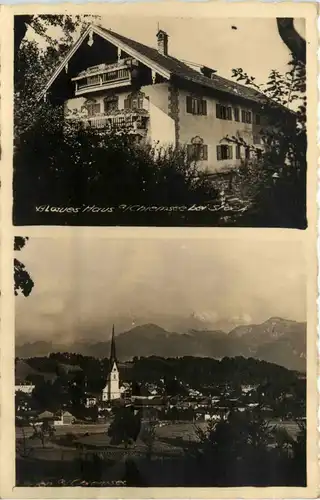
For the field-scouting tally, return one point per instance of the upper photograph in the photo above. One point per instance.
(159, 121)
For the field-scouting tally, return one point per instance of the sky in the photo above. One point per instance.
(83, 285)
(255, 45)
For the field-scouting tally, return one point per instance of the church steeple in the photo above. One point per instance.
(113, 356)
(112, 388)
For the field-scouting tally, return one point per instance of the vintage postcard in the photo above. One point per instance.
(173, 356)
(161, 367)
(151, 116)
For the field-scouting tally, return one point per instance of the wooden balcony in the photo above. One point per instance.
(104, 76)
(134, 121)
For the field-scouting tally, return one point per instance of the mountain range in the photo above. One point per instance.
(277, 340)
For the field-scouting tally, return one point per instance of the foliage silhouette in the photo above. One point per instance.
(23, 283)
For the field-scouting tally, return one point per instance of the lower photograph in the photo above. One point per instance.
(172, 362)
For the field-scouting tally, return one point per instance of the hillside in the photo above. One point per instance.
(276, 340)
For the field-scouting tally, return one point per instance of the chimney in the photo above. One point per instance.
(208, 72)
(162, 38)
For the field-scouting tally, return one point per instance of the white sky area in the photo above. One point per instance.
(83, 285)
(254, 46)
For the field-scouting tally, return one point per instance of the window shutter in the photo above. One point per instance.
(204, 107)
(243, 116)
(230, 152)
(218, 115)
(189, 104)
(238, 151)
(126, 103)
(218, 152)
(190, 151)
(205, 152)
(229, 113)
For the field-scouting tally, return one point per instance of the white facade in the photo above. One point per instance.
(90, 402)
(112, 391)
(26, 388)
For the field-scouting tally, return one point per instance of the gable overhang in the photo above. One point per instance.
(114, 40)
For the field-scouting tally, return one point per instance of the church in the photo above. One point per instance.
(111, 391)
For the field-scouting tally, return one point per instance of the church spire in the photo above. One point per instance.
(113, 356)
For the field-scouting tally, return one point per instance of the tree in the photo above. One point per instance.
(148, 436)
(111, 170)
(125, 426)
(40, 24)
(295, 43)
(245, 449)
(44, 432)
(23, 283)
(23, 448)
(274, 181)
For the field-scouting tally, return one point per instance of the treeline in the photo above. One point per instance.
(198, 371)
(175, 373)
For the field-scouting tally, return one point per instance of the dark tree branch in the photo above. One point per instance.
(295, 43)
(20, 28)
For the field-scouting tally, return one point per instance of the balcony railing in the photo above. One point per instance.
(133, 122)
(104, 76)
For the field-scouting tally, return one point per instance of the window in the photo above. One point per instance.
(196, 105)
(111, 103)
(236, 114)
(134, 101)
(246, 116)
(247, 153)
(197, 151)
(258, 120)
(93, 108)
(223, 112)
(224, 152)
(238, 152)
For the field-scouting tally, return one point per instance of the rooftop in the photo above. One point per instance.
(178, 68)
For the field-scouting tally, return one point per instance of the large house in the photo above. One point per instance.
(109, 80)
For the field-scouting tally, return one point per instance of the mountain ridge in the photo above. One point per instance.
(276, 340)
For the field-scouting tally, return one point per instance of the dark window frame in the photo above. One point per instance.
(197, 150)
(246, 116)
(111, 103)
(134, 101)
(196, 105)
(224, 152)
(223, 111)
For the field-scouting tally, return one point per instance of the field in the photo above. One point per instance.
(75, 459)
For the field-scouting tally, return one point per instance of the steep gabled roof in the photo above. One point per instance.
(178, 68)
(166, 66)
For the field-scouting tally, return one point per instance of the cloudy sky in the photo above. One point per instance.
(82, 285)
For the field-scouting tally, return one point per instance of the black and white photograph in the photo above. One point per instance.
(159, 120)
(160, 363)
